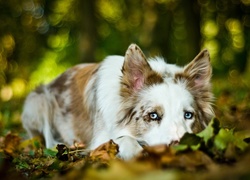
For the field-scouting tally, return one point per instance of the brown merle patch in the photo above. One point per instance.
(60, 83)
(81, 113)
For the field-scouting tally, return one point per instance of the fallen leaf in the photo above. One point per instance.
(63, 152)
(156, 155)
(49, 152)
(211, 130)
(11, 143)
(190, 139)
(105, 152)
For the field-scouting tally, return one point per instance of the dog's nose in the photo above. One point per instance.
(174, 142)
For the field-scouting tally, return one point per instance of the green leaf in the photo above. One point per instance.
(225, 137)
(20, 164)
(240, 143)
(190, 139)
(211, 130)
(195, 147)
(49, 152)
(37, 144)
(180, 147)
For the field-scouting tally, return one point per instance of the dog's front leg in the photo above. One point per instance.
(129, 147)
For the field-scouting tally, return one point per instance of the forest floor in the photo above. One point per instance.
(221, 151)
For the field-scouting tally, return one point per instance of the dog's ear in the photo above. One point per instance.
(135, 68)
(199, 71)
(197, 75)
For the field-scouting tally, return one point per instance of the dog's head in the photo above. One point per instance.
(161, 102)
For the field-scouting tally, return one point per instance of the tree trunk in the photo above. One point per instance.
(88, 30)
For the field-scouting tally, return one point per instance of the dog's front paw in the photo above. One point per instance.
(128, 147)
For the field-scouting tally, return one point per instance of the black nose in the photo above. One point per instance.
(175, 142)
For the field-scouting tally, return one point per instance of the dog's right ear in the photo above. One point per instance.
(135, 68)
(137, 72)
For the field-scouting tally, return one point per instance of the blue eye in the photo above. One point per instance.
(188, 115)
(154, 116)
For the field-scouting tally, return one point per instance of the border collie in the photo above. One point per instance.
(128, 99)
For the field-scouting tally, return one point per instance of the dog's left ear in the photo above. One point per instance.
(197, 75)
(199, 71)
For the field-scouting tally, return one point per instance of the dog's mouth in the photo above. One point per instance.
(142, 143)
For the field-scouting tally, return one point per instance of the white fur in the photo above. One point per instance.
(159, 65)
(173, 125)
(42, 114)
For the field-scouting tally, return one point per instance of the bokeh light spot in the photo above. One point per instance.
(210, 29)
(6, 93)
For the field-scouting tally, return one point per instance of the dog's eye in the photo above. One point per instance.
(154, 116)
(188, 115)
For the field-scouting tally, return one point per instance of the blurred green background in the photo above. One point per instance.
(41, 38)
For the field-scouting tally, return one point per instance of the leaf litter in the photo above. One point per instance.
(209, 153)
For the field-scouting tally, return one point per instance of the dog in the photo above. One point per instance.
(129, 99)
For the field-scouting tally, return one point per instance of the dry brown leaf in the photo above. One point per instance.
(154, 154)
(105, 152)
(11, 143)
